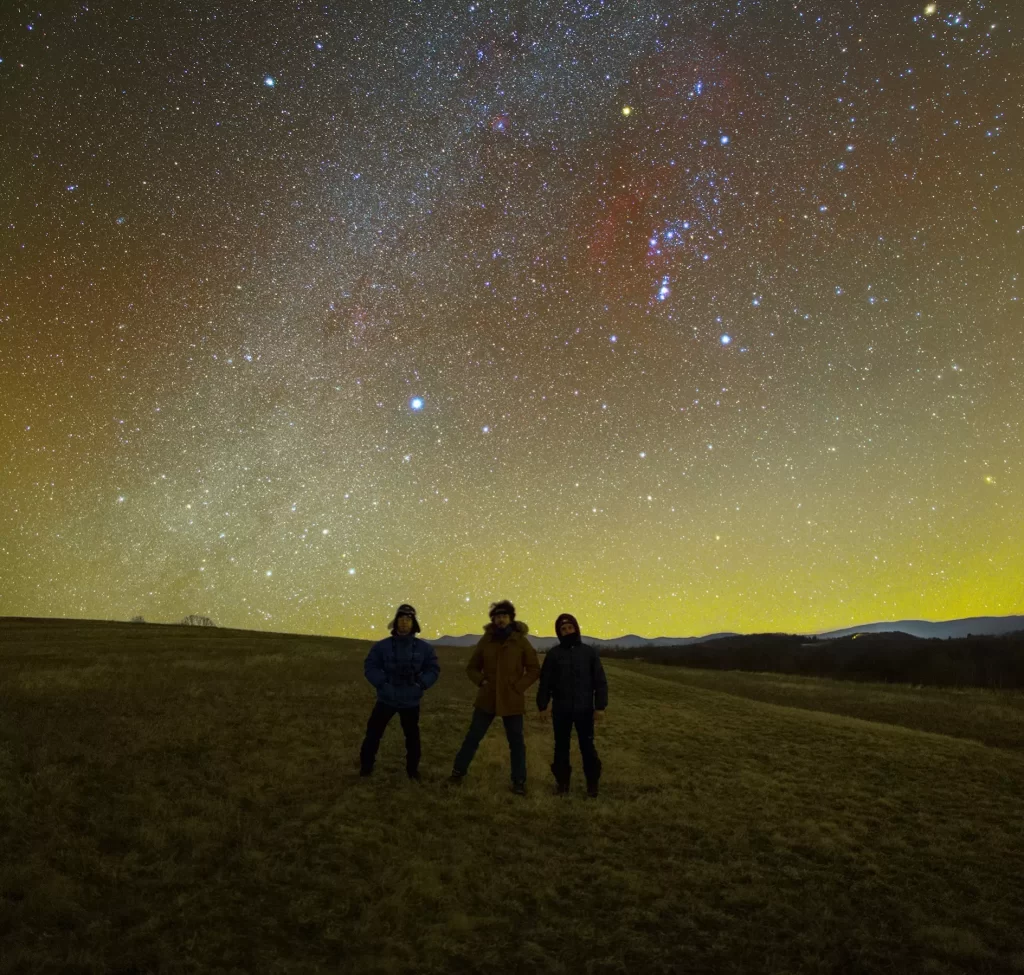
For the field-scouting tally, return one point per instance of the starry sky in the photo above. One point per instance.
(679, 316)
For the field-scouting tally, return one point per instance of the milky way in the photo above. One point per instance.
(681, 317)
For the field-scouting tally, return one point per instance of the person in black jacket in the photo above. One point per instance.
(573, 679)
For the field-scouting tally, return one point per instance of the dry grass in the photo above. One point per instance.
(181, 801)
(991, 717)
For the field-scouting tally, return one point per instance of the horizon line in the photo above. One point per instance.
(552, 636)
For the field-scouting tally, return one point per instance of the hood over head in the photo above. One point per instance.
(573, 637)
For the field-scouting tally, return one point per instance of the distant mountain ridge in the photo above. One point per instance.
(628, 642)
(926, 629)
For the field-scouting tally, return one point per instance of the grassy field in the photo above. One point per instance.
(181, 800)
(990, 717)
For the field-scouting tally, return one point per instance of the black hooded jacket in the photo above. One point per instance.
(572, 678)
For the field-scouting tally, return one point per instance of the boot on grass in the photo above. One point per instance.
(562, 779)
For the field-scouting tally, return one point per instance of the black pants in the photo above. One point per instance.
(379, 718)
(561, 723)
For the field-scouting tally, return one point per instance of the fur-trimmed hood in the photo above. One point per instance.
(517, 625)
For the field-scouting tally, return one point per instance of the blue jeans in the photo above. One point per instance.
(478, 728)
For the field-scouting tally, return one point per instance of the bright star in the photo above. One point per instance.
(725, 339)
(416, 403)
(269, 81)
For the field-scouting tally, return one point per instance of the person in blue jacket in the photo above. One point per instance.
(401, 667)
(572, 677)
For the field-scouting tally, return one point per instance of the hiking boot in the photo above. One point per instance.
(365, 772)
(592, 790)
(562, 779)
(519, 788)
(456, 777)
(414, 776)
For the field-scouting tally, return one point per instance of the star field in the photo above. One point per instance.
(680, 318)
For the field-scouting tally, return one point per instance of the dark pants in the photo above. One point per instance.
(561, 723)
(379, 718)
(478, 728)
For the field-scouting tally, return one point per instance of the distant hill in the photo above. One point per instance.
(995, 661)
(628, 642)
(926, 629)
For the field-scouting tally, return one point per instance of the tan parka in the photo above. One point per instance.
(510, 666)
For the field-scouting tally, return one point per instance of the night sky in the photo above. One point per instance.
(681, 317)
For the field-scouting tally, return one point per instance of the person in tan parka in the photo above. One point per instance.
(503, 665)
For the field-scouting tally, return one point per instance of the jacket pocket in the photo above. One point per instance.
(411, 694)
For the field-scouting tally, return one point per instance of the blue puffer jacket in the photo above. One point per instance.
(401, 670)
